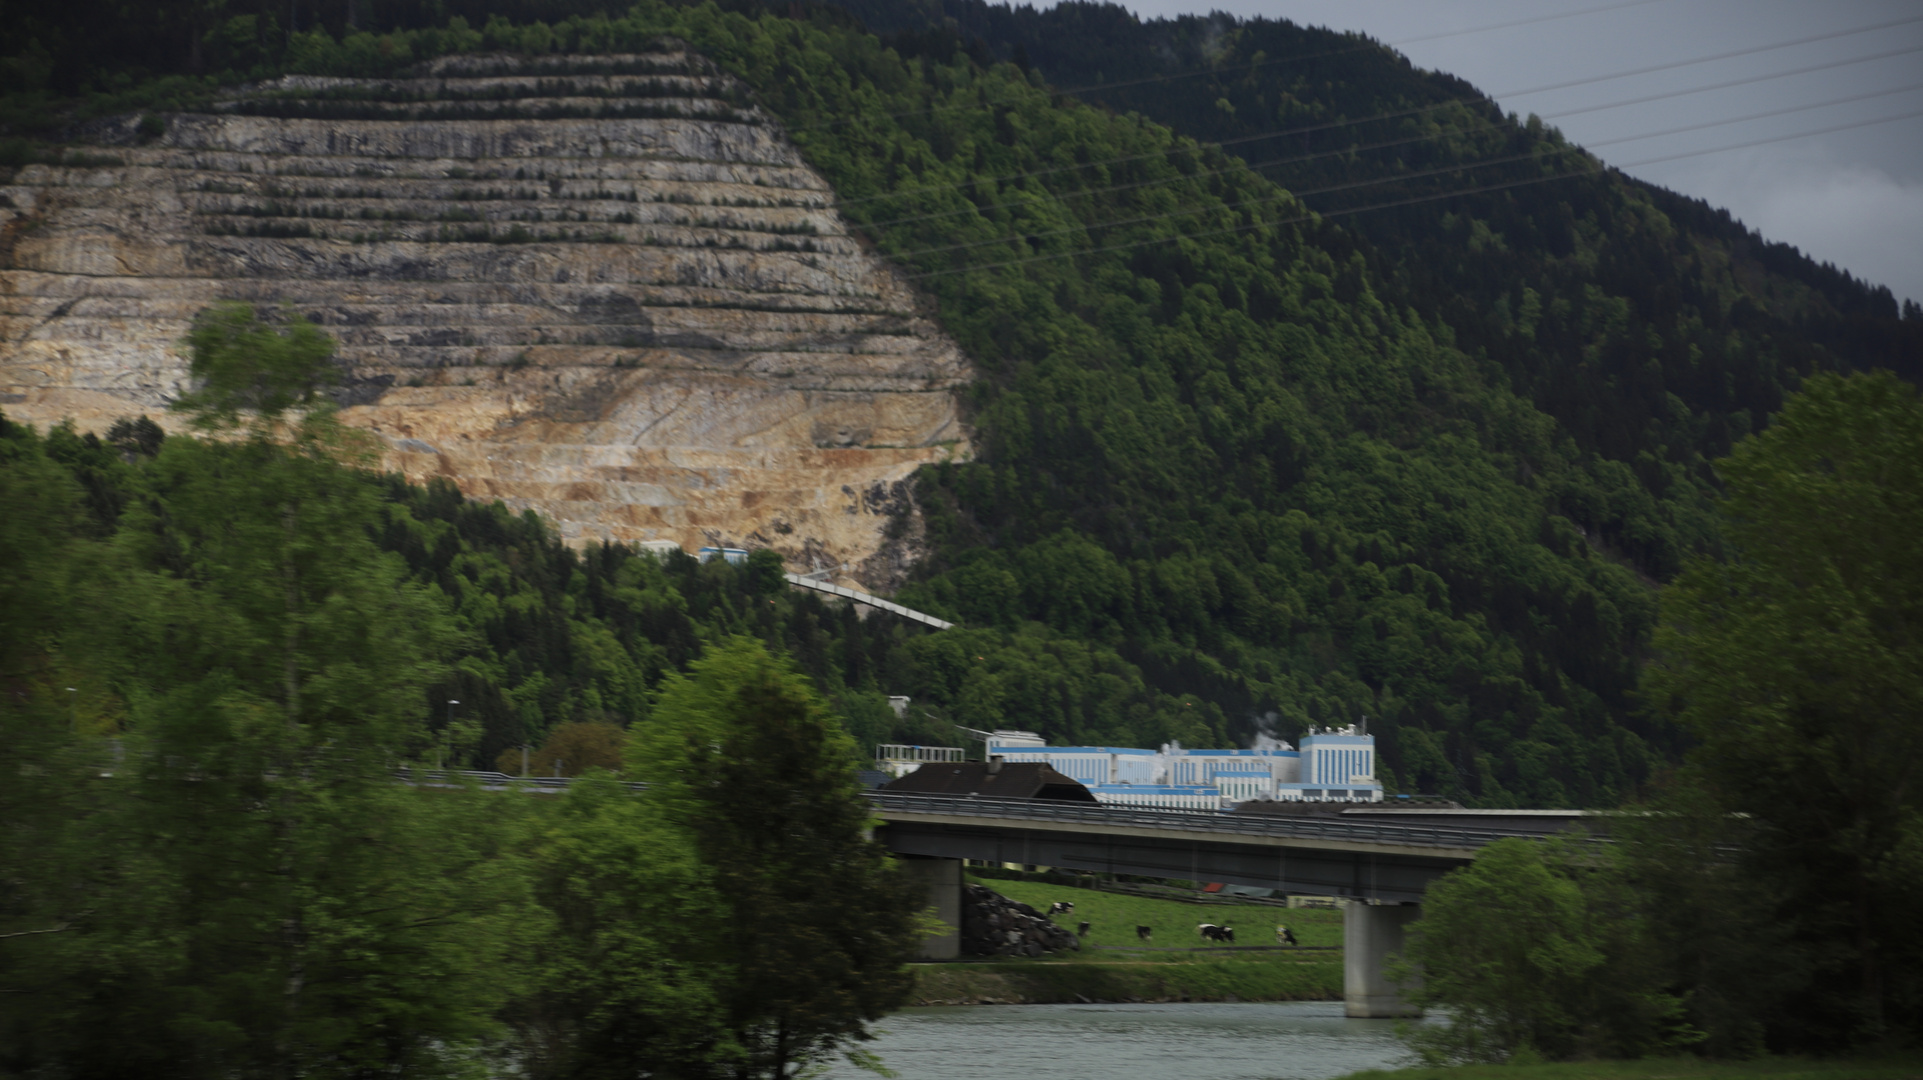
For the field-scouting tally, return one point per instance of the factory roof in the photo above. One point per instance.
(999, 780)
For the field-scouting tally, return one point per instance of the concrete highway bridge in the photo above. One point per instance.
(1380, 858)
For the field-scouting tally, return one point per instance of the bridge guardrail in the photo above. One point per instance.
(1193, 820)
(1202, 821)
(487, 779)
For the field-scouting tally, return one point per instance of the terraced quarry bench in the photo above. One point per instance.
(605, 288)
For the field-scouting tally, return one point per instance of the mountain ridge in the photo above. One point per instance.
(1284, 470)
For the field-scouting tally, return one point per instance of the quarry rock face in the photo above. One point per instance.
(604, 288)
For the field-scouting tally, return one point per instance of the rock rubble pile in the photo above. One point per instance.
(994, 925)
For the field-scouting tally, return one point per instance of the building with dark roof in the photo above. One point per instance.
(991, 780)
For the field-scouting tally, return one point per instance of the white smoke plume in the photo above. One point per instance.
(1265, 738)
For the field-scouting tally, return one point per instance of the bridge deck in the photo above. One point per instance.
(1390, 862)
(1373, 858)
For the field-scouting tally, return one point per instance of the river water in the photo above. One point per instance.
(1295, 1040)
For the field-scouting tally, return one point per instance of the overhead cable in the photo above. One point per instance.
(1297, 58)
(1592, 170)
(1534, 153)
(1258, 166)
(1466, 102)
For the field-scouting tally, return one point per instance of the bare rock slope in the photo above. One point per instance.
(605, 288)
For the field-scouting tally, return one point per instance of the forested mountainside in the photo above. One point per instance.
(1644, 321)
(1241, 467)
(540, 636)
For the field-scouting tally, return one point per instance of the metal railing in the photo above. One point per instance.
(1201, 821)
(493, 781)
(864, 598)
(1212, 822)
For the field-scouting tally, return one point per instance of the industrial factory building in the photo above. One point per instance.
(1335, 765)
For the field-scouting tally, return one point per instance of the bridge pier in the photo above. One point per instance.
(1370, 933)
(943, 880)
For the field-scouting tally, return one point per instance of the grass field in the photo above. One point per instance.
(1212, 974)
(1032, 982)
(1114, 917)
(1904, 1067)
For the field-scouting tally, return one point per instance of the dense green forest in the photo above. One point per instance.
(1244, 466)
(1247, 463)
(212, 669)
(545, 637)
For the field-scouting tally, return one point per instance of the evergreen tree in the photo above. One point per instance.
(1798, 662)
(814, 922)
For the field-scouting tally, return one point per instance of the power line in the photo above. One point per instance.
(1353, 48)
(1463, 102)
(1398, 43)
(1278, 196)
(1866, 95)
(1769, 139)
(1532, 154)
(1433, 197)
(1674, 64)
(1745, 81)
(1481, 126)
(1296, 58)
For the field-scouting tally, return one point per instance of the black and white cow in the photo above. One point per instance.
(1212, 932)
(1081, 929)
(1061, 907)
(1144, 933)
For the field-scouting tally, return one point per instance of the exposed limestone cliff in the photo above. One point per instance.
(605, 288)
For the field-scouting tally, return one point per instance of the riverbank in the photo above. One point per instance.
(1018, 982)
(1901, 1067)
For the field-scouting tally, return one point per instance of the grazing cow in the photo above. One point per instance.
(1061, 907)
(1212, 932)
(1144, 933)
(1285, 936)
(1081, 929)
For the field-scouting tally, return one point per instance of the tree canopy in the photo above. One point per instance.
(1798, 663)
(813, 921)
(208, 851)
(1244, 467)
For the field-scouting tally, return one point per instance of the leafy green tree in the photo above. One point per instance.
(625, 980)
(1732, 958)
(814, 921)
(765, 571)
(1539, 950)
(572, 749)
(243, 364)
(1798, 664)
(250, 892)
(49, 786)
(43, 515)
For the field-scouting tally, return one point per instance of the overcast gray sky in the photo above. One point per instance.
(1852, 197)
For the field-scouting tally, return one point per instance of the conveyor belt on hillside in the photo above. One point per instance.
(865, 598)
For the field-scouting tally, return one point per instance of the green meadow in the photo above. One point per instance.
(1096, 974)
(1113, 917)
